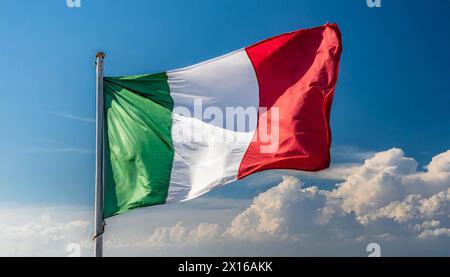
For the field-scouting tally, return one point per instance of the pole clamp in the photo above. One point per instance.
(101, 233)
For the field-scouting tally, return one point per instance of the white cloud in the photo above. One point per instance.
(171, 237)
(35, 232)
(388, 193)
(163, 236)
(435, 233)
(271, 214)
(376, 183)
(384, 199)
(435, 179)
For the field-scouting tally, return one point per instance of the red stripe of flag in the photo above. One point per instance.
(297, 72)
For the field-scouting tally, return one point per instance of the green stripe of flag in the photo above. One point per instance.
(139, 152)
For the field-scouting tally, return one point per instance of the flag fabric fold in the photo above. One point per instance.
(176, 135)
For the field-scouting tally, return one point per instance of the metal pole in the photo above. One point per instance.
(99, 223)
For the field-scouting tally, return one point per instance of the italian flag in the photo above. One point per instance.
(161, 149)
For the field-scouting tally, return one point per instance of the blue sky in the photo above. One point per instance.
(392, 89)
(392, 92)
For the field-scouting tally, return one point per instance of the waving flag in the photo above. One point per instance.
(176, 135)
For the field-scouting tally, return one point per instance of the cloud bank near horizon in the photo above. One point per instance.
(385, 200)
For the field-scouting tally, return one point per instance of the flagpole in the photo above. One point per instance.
(99, 223)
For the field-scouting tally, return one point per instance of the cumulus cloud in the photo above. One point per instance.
(435, 233)
(435, 179)
(275, 214)
(169, 237)
(35, 232)
(389, 193)
(164, 236)
(376, 183)
(386, 198)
